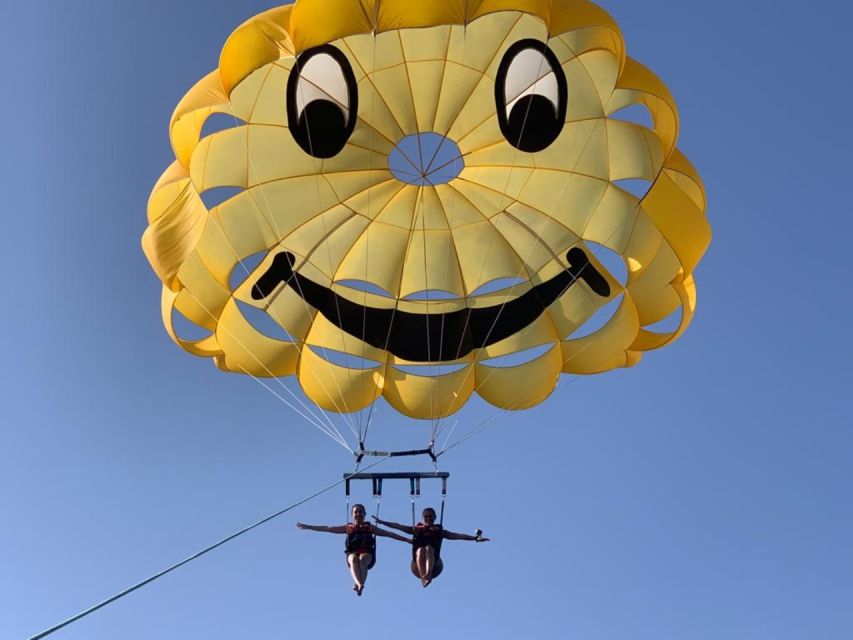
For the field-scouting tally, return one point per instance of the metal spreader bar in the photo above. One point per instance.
(414, 478)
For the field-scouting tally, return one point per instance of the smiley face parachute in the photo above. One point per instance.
(421, 193)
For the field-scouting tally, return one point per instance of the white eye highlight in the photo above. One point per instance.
(321, 78)
(530, 73)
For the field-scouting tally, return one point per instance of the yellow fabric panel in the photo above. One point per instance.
(654, 94)
(401, 209)
(651, 290)
(685, 176)
(602, 71)
(526, 244)
(261, 40)
(317, 22)
(613, 220)
(521, 387)
(540, 331)
(460, 82)
(177, 220)
(269, 153)
(236, 230)
(395, 85)
(476, 123)
(245, 350)
(583, 150)
(431, 264)
(187, 304)
(427, 396)
(372, 201)
(205, 98)
(458, 210)
(588, 19)
(570, 198)
(543, 228)
(570, 311)
(401, 14)
(504, 180)
(427, 80)
(484, 255)
(206, 347)
(380, 244)
(686, 291)
(290, 203)
(257, 99)
(327, 255)
(539, 8)
(210, 293)
(335, 388)
(309, 240)
(324, 335)
(286, 308)
(680, 221)
(584, 97)
(375, 111)
(606, 348)
(208, 168)
(634, 151)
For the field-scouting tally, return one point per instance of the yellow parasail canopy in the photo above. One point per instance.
(418, 191)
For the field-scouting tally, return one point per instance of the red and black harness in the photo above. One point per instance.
(427, 535)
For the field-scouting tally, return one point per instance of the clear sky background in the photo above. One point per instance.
(703, 495)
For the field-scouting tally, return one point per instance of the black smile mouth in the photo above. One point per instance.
(431, 337)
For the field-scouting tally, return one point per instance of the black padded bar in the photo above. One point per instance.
(395, 454)
(399, 475)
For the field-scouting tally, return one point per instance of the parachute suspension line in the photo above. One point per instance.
(443, 496)
(329, 424)
(414, 492)
(271, 218)
(362, 429)
(377, 494)
(503, 413)
(336, 435)
(331, 431)
(196, 555)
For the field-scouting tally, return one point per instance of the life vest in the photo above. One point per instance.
(360, 538)
(427, 536)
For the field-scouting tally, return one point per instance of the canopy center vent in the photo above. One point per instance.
(426, 159)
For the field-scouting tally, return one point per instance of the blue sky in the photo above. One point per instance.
(702, 495)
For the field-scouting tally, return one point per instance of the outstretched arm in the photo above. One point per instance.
(320, 527)
(391, 534)
(395, 525)
(450, 535)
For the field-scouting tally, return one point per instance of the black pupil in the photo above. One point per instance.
(533, 123)
(323, 127)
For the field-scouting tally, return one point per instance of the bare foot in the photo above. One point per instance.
(360, 589)
(426, 582)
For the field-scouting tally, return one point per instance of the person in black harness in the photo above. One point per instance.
(360, 543)
(426, 544)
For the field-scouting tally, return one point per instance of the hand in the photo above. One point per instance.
(481, 539)
(377, 520)
(299, 525)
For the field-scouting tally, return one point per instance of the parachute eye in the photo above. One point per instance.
(531, 96)
(322, 101)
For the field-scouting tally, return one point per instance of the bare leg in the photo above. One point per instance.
(426, 563)
(420, 563)
(365, 560)
(356, 571)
